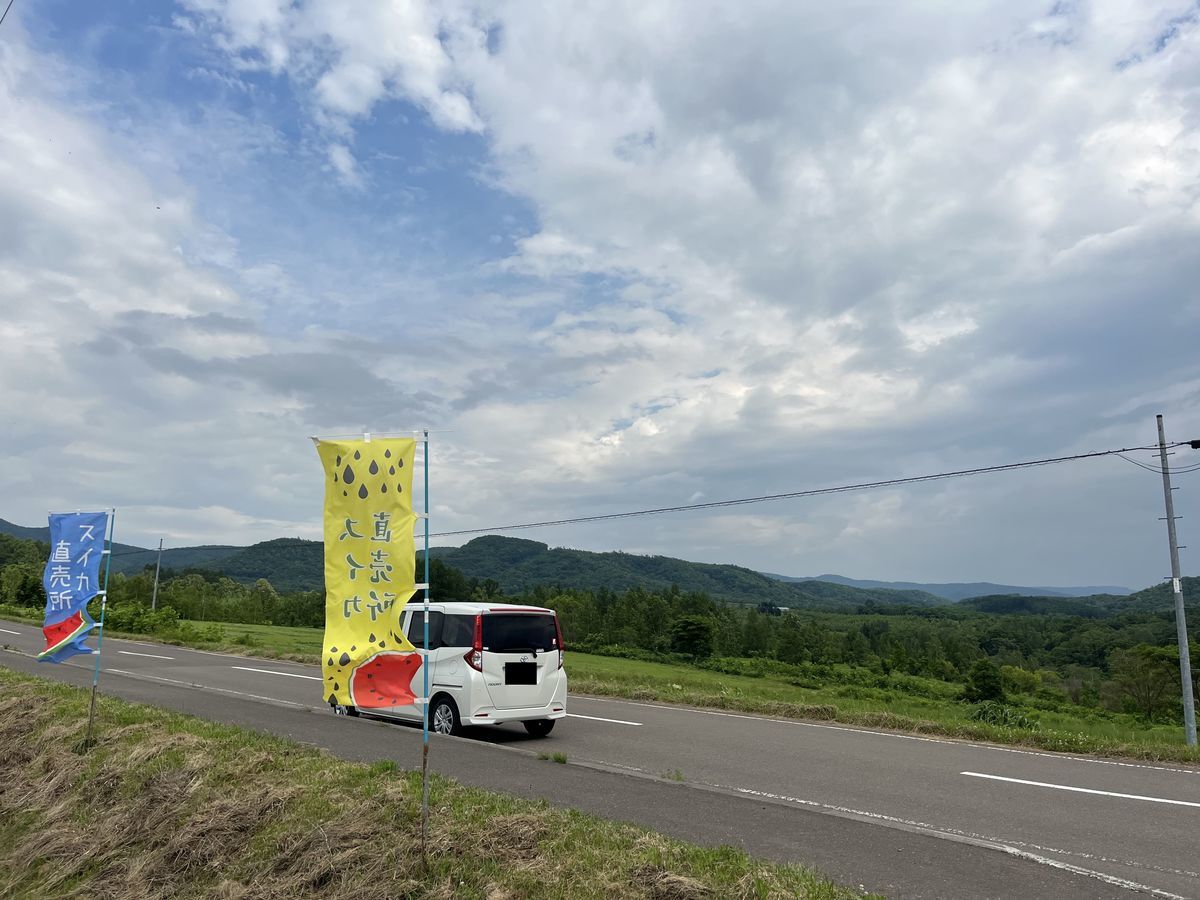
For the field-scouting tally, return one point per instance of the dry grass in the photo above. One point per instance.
(168, 806)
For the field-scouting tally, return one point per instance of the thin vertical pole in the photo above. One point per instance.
(157, 568)
(112, 522)
(1185, 662)
(425, 669)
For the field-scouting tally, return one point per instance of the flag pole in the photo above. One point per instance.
(425, 670)
(112, 523)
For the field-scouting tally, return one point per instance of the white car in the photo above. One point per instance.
(488, 664)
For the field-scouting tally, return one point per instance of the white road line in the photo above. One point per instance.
(204, 687)
(1067, 787)
(6, 631)
(151, 655)
(1095, 760)
(953, 834)
(598, 719)
(273, 672)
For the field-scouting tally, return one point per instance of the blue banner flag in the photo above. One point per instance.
(72, 578)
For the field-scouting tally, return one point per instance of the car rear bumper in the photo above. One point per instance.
(489, 716)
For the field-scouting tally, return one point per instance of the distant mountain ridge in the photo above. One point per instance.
(519, 565)
(42, 534)
(956, 591)
(128, 558)
(293, 564)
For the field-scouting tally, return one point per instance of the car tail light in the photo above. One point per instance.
(558, 631)
(474, 656)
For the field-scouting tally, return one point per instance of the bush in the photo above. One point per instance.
(211, 633)
(998, 714)
(984, 683)
(1019, 681)
(140, 619)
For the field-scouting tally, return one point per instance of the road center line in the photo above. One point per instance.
(1067, 787)
(6, 631)
(598, 719)
(151, 655)
(273, 672)
(140, 676)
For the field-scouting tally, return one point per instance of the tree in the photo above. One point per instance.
(756, 634)
(445, 582)
(486, 591)
(984, 682)
(693, 636)
(1147, 678)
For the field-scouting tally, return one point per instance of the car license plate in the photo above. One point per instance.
(520, 673)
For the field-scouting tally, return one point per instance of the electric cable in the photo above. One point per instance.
(791, 495)
(1157, 470)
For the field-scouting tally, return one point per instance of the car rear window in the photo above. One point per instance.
(505, 632)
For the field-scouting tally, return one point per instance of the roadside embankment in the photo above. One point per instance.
(165, 805)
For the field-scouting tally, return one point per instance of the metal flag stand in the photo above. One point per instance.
(425, 670)
(103, 593)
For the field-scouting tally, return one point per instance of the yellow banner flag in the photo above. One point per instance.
(369, 571)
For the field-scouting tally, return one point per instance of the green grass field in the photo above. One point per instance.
(165, 805)
(934, 710)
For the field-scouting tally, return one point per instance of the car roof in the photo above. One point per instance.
(471, 609)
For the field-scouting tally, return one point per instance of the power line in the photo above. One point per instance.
(6, 9)
(791, 495)
(1156, 470)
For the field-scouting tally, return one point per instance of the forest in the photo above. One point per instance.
(1033, 653)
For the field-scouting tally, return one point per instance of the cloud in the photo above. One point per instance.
(343, 163)
(350, 61)
(134, 372)
(765, 248)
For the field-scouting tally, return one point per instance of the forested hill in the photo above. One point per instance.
(128, 558)
(42, 535)
(293, 564)
(521, 565)
(1151, 599)
(956, 591)
(518, 565)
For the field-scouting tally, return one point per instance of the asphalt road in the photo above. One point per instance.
(902, 815)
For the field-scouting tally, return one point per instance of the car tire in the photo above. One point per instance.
(443, 717)
(539, 727)
(339, 710)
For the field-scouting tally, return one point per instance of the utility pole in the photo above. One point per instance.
(1185, 662)
(157, 567)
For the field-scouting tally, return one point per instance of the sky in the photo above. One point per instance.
(614, 256)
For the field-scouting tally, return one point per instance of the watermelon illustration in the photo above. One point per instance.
(61, 634)
(385, 679)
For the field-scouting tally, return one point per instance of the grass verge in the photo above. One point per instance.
(166, 805)
(936, 712)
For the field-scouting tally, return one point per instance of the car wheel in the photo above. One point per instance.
(339, 710)
(443, 717)
(539, 727)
